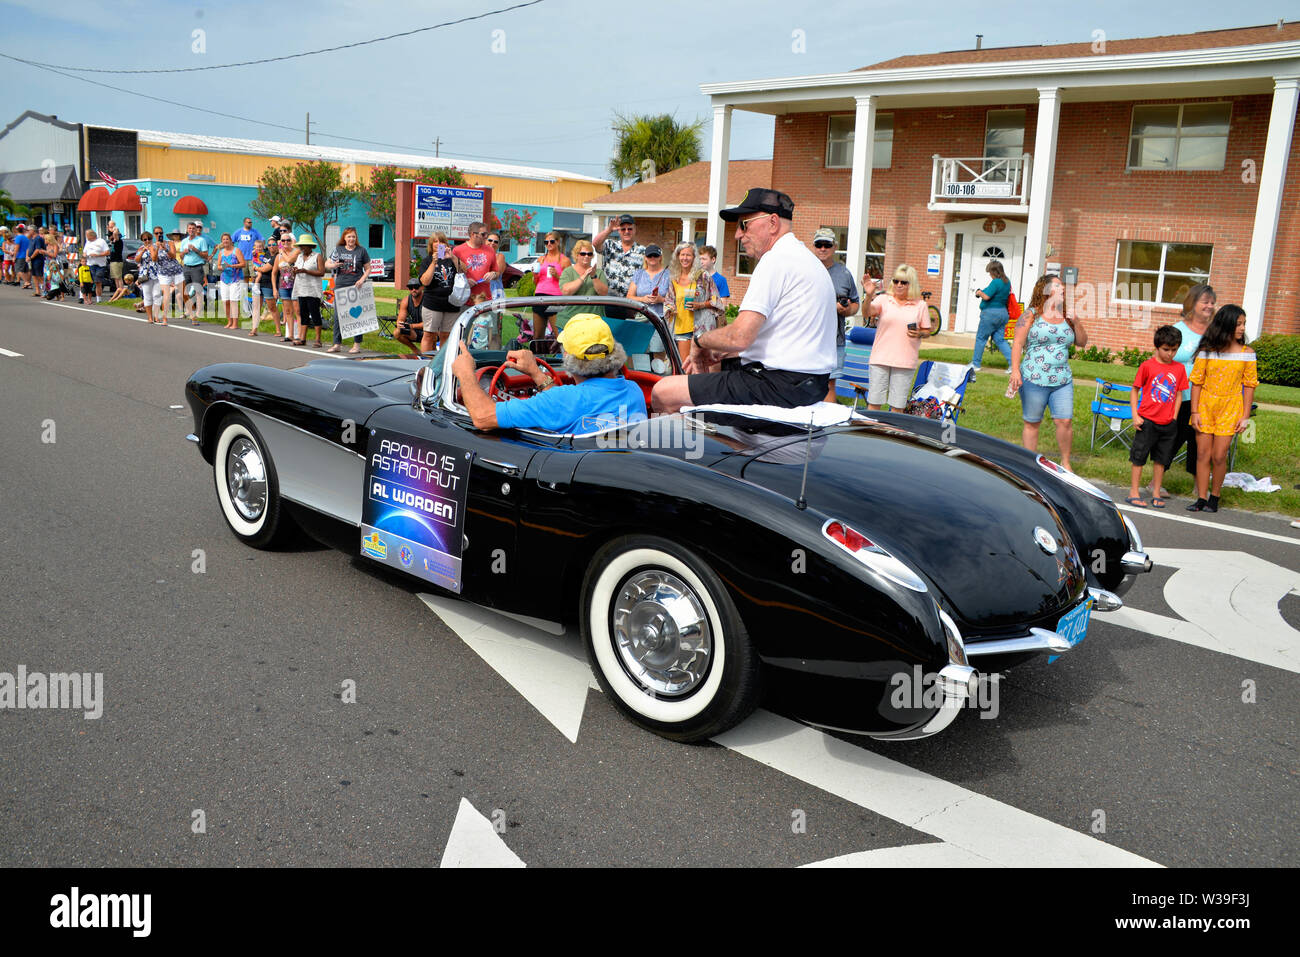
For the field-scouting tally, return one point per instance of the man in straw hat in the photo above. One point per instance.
(601, 399)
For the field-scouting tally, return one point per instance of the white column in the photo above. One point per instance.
(1268, 208)
(719, 159)
(1040, 188)
(864, 138)
(688, 229)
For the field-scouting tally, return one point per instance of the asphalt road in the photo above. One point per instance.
(222, 689)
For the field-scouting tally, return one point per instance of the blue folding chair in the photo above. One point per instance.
(1110, 402)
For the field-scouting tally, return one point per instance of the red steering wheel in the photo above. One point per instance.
(502, 394)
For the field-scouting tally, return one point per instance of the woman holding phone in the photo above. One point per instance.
(437, 273)
(903, 321)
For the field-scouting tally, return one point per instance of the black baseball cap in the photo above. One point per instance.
(759, 200)
(412, 284)
(626, 220)
(653, 250)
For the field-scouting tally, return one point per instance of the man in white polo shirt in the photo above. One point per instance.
(780, 350)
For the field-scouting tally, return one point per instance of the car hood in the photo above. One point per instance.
(367, 372)
(966, 525)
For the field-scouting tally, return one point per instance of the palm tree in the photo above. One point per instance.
(659, 139)
(11, 208)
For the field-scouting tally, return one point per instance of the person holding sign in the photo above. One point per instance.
(351, 266)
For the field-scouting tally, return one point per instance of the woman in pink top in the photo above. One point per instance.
(897, 350)
(549, 269)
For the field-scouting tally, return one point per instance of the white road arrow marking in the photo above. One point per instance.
(1229, 601)
(553, 676)
(11, 355)
(551, 673)
(474, 842)
(911, 855)
(1000, 834)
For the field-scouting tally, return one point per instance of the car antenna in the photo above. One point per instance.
(858, 392)
(802, 503)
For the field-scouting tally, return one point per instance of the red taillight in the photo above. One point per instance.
(850, 539)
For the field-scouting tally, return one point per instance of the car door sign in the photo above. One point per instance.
(413, 517)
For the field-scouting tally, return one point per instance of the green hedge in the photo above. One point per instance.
(1278, 359)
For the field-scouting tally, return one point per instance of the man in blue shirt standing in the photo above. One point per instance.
(195, 252)
(244, 240)
(21, 265)
(602, 398)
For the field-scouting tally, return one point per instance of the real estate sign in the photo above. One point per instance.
(449, 209)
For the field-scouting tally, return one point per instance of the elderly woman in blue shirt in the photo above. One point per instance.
(993, 315)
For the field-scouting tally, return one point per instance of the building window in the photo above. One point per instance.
(1158, 273)
(1004, 139)
(1191, 136)
(839, 142)
(376, 238)
(875, 264)
(744, 264)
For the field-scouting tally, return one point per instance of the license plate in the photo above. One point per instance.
(1074, 626)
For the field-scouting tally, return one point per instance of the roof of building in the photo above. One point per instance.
(1210, 39)
(37, 186)
(690, 185)
(335, 154)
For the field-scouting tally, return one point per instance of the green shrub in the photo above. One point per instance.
(526, 285)
(1133, 356)
(731, 312)
(1277, 358)
(1095, 354)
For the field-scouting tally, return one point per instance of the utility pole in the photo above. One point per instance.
(436, 143)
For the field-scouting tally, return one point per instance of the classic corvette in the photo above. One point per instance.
(810, 557)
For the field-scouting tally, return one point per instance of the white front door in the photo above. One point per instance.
(981, 241)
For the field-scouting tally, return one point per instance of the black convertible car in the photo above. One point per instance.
(815, 556)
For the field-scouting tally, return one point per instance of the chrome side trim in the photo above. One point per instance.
(1103, 600)
(1038, 640)
(313, 471)
(955, 641)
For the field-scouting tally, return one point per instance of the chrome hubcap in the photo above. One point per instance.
(246, 478)
(661, 633)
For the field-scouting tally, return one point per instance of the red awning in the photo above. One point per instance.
(190, 206)
(126, 199)
(94, 200)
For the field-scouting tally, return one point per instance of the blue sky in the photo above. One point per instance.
(542, 91)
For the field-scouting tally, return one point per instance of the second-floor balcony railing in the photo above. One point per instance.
(980, 180)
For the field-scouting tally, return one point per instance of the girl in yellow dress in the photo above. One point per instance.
(1223, 385)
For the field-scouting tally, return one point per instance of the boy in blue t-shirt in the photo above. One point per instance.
(1157, 394)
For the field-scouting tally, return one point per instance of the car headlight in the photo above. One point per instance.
(1069, 478)
(872, 555)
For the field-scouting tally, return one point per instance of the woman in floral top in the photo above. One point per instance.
(1040, 364)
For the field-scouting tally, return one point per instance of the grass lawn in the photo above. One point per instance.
(1273, 451)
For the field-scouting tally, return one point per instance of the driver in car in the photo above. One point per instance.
(601, 399)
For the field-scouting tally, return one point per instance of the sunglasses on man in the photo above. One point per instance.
(744, 223)
(824, 244)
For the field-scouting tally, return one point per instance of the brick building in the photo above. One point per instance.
(1136, 168)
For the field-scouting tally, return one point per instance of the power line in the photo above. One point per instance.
(281, 126)
(295, 56)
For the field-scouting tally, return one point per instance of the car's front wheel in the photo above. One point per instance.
(247, 487)
(665, 640)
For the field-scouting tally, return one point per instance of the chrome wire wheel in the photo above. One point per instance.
(246, 478)
(662, 634)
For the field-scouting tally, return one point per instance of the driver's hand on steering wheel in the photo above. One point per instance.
(523, 360)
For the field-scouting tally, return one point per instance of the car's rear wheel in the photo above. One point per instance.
(247, 486)
(665, 640)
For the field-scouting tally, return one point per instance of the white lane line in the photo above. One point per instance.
(998, 833)
(1217, 526)
(474, 842)
(910, 855)
(259, 340)
(11, 355)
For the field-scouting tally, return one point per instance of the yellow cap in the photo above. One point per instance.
(586, 336)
